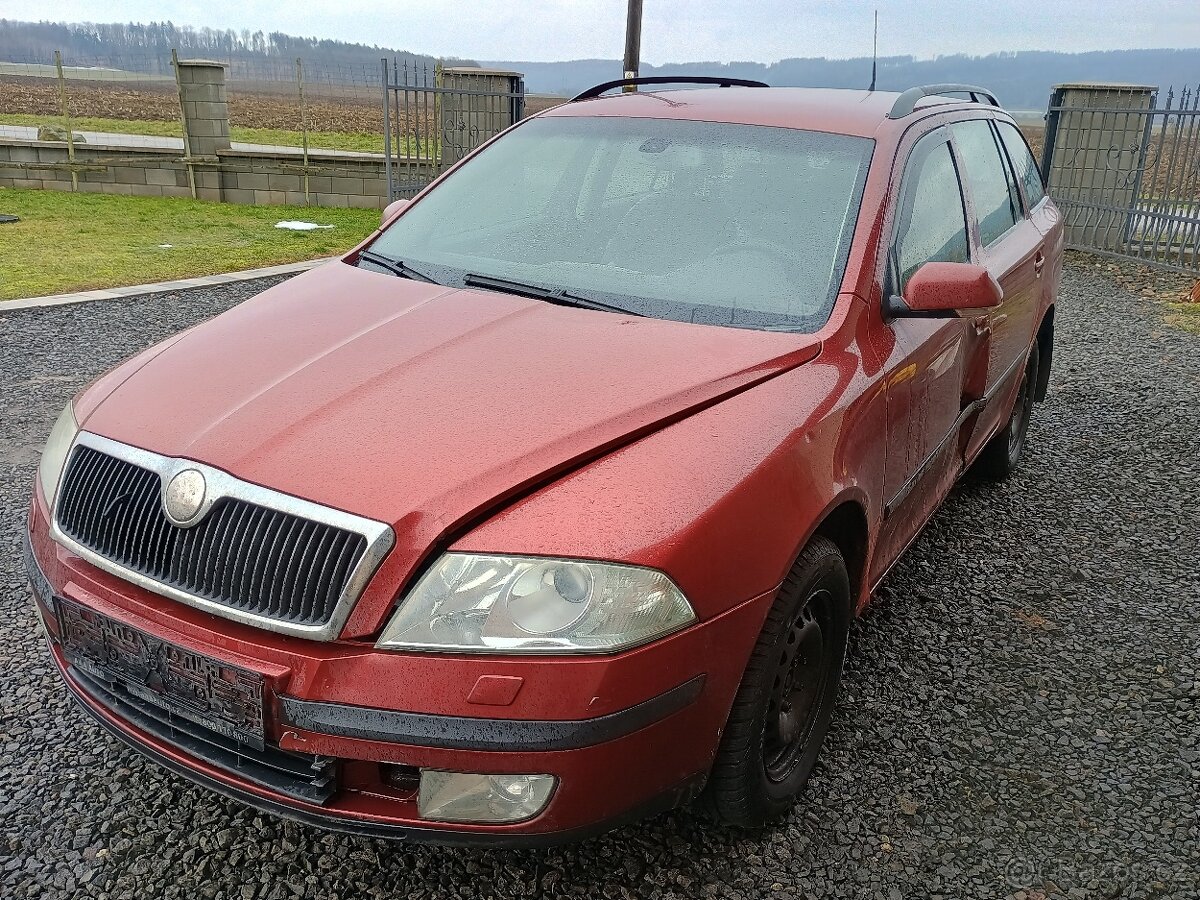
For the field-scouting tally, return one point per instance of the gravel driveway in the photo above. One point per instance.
(1018, 719)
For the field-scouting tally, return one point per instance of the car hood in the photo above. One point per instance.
(416, 404)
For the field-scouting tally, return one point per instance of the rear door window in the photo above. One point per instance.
(1023, 163)
(932, 223)
(988, 178)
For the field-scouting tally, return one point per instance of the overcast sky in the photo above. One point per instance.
(674, 30)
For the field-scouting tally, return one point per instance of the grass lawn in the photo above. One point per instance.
(82, 123)
(74, 242)
(1185, 316)
(358, 142)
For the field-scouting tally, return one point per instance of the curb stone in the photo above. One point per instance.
(161, 287)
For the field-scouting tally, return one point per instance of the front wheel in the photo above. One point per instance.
(1002, 454)
(785, 702)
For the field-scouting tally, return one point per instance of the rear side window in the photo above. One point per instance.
(988, 177)
(933, 225)
(1022, 160)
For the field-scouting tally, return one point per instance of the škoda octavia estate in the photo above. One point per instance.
(549, 506)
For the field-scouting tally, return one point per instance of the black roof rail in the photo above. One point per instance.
(599, 89)
(907, 101)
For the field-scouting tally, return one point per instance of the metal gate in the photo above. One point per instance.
(432, 118)
(1123, 165)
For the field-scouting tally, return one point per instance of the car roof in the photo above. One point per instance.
(835, 110)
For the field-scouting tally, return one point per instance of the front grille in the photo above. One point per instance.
(242, 555)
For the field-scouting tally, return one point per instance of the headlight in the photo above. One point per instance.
(54, 457)
(516, 604)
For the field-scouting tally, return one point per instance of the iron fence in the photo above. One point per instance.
(410, 114)
(1123, 164)
(434, 117)
(131, 101)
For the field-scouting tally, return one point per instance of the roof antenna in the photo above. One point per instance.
(874, 51)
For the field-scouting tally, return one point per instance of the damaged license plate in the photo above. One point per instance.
(223, 698)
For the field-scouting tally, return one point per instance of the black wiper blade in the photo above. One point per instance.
(395, 266)
(539, 292)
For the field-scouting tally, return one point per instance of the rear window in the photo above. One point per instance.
(695, 221)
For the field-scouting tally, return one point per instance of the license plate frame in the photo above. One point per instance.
(223, 698)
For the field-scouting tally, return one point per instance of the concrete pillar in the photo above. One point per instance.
(205, 120)
(1096, 141)
(482, 103)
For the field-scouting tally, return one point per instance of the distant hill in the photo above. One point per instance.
(147, 48)
(1022, 80)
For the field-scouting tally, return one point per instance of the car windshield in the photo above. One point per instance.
(706, 222)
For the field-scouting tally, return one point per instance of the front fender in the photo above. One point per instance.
(722, 501)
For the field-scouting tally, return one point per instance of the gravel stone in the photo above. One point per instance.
(1018, 717)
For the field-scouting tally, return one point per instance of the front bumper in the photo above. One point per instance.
(190, 767)
(639, 738)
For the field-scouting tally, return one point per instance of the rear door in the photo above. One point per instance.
(1039, 209)
(1012, 248)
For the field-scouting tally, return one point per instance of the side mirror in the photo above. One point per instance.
(943, 288)
(392, 210)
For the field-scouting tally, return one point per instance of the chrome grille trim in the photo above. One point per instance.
(221, 485)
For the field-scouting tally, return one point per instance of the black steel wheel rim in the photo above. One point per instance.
(798, 690)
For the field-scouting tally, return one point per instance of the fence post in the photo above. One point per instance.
(303, 122)
(65, 109)
(187, 144)
(387, 134)
(205, 121)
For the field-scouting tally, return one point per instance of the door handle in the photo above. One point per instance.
(1039, 262)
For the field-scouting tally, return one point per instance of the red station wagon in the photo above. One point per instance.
(550, 505)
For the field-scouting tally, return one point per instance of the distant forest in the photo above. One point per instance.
(1021, 80)
(148, 48)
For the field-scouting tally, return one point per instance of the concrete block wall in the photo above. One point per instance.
(119, 170)
(236, 176)
(342, 180)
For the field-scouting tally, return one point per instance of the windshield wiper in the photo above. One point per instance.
(561, 296)
(403, 270)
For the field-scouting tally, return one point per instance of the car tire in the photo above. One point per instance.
(785, 701)
(1002, 454)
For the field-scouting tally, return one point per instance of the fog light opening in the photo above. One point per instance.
(479, 798)
(405, 779)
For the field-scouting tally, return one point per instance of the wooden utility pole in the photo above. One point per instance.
(633, 42)
(304, 122)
